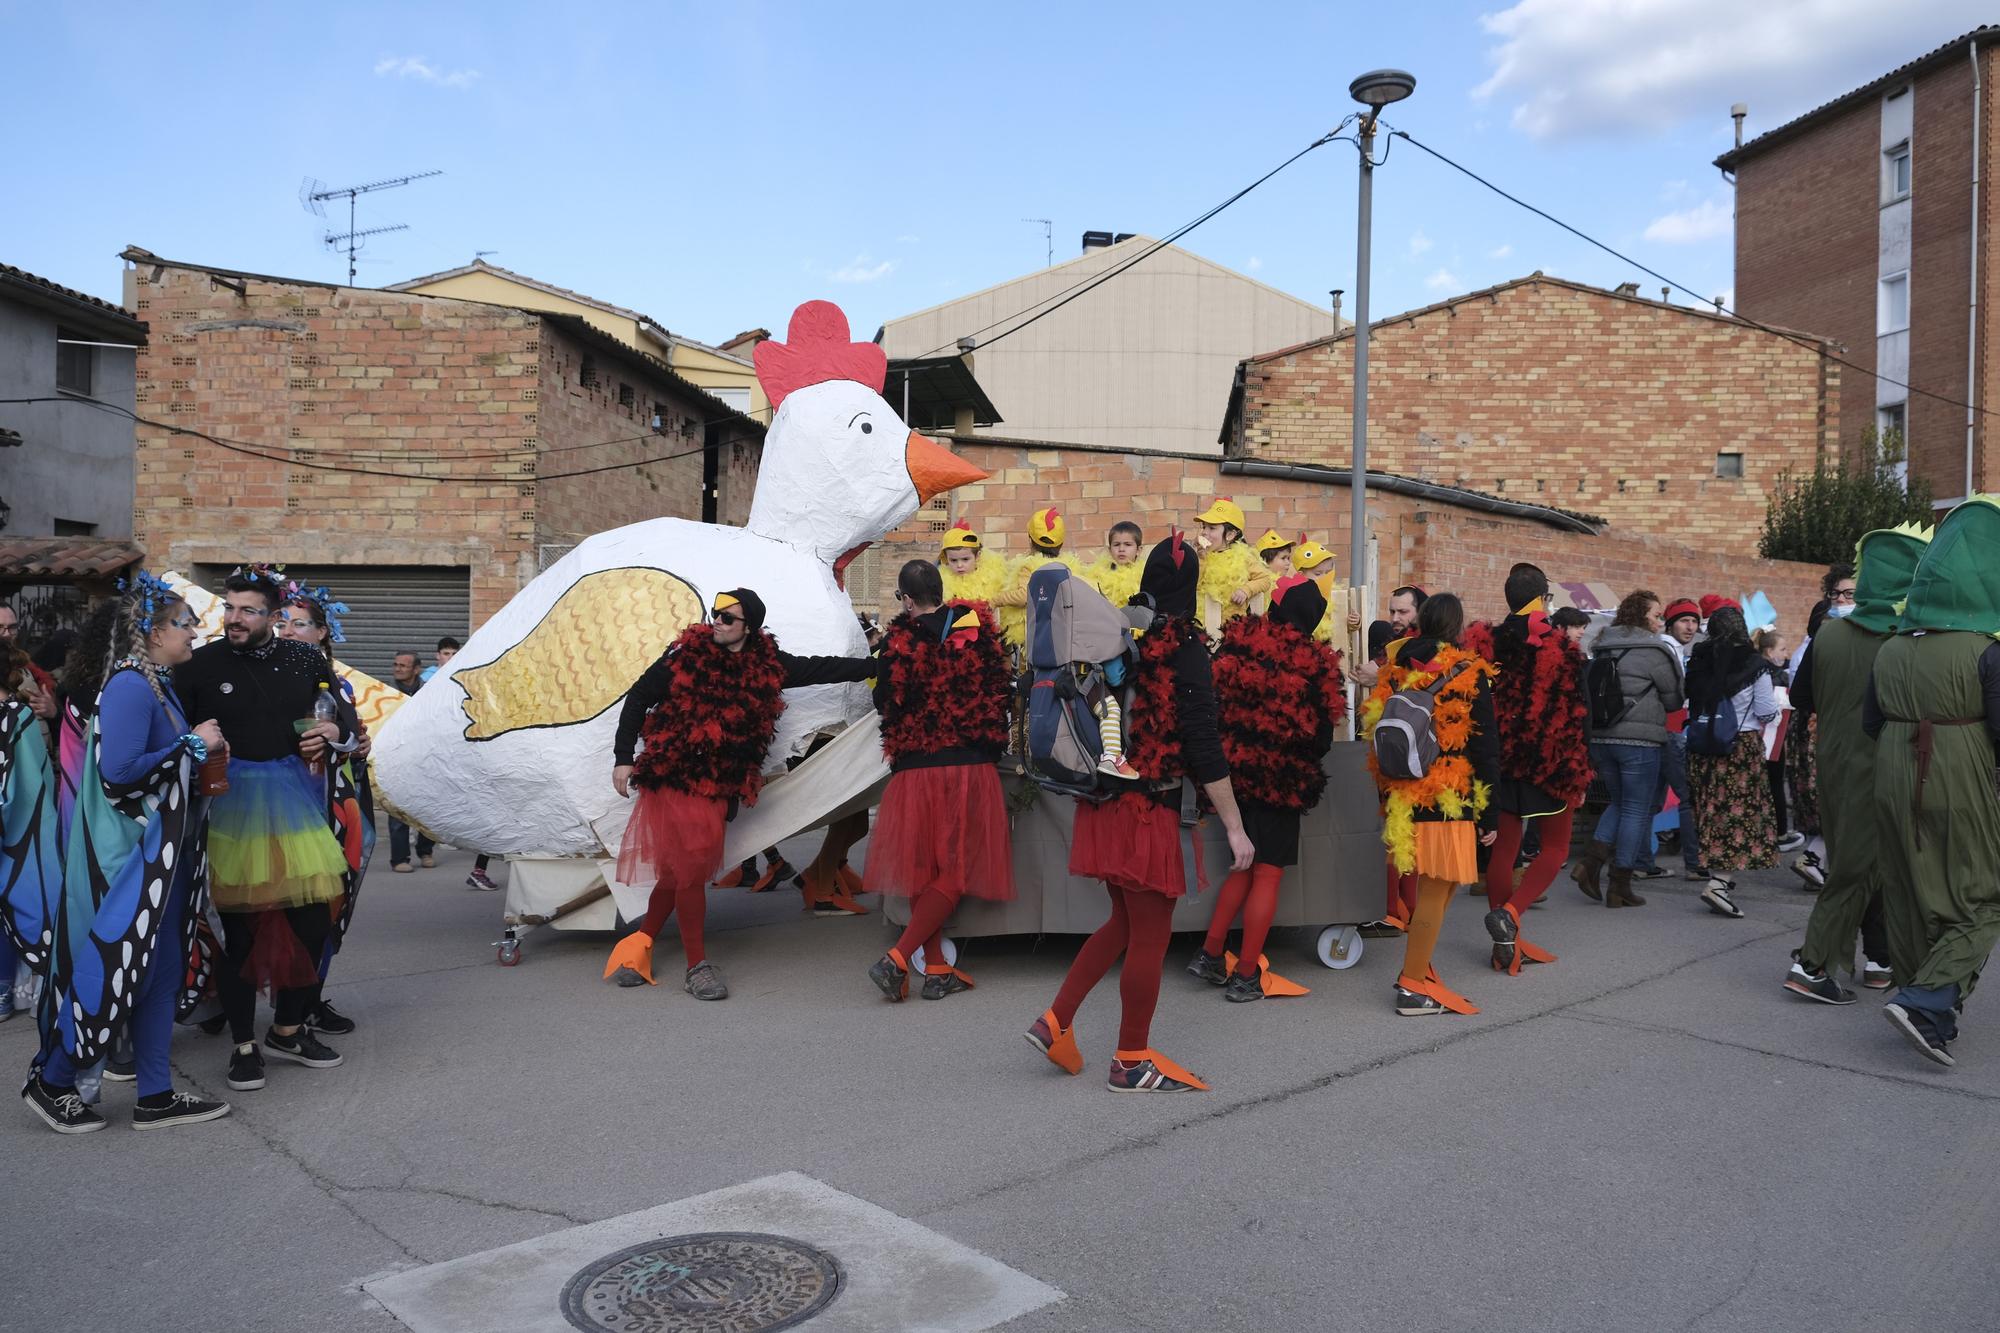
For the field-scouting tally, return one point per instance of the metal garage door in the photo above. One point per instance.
(390, 608)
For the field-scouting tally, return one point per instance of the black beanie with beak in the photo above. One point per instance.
(748, 603)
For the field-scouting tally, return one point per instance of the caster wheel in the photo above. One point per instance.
(507, 950)
(1340, 947)
(950, 956)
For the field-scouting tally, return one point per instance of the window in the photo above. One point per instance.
(587, 374)
(1729, 465)
(1891, 432)
(73, 362)
(1892, 305)
(625, 395)
(659, 417)
(71, 527)
(1896, 173)
(739, 399)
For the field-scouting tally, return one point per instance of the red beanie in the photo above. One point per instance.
(1682, 607)
(1715, 601)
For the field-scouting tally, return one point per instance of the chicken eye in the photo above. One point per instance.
(867, 428)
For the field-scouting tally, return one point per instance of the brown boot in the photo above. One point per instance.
(1589, 869)
(1619, 892)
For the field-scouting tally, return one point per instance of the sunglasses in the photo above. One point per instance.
(728, 618)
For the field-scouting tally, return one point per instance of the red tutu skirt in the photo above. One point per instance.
(672, 839)
(1129, 842)
(943, 828)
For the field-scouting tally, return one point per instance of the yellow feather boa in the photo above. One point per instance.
(1449, 788)
(1223, 572)
(986, 581)
(1118, 583)
(1014, 619)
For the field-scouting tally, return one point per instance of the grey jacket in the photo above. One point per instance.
(1649, 673)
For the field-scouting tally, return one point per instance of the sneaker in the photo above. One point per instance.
(403, 868)
(1240, 989)
(6, 999)
(1381, 928)
(181, 1109)
(1816, 985)
(1917, 1027)
(1717, 896)
(1654, 871)
(1208, 967)
(937, 985)
(1144, 1076)
(120, 1071)
(891, 980)
(1874, 975)
(1697, 872)
(1410, 1004)
(1791, 842)
(301, 1048)
(246, 1068)
(427, 862)
(1501, 927)
(1118, 768)
(480, 880)
(60, 1108)
(704, 982)
(322, 1017)
(1810, 869)
(774, 874)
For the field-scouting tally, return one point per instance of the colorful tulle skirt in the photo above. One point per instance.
(672, 838)
(943, 828)
(1448, 849)
(1129, 842)
(269, 843)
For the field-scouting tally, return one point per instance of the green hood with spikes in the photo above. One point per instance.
(1885, 561)
(1957, 584)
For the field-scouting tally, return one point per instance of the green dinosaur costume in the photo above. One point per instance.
(1843, 655)
(1937, 812)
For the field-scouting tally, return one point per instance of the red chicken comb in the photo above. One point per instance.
(817, 348)
(1179, 548)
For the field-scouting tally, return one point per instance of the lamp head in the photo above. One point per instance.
(1378, 88)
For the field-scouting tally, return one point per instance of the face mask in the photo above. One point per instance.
(1840, 610)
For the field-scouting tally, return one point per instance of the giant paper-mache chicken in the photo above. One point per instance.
(509, 749)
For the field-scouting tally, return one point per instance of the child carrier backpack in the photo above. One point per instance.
(1406, 739)
(1072, 633)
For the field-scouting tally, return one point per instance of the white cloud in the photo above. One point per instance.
(1253, 263)
(1500, 252)
(908, 239)
(1704, 222)
(1419, 243)
(1444, 280)
(420, 69)
(1577, 68)
(862, 269)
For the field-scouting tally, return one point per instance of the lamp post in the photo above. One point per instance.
(1374, 90)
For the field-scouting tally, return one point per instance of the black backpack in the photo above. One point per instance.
(1606, 691)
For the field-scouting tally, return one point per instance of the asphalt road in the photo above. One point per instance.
(1648, 1134)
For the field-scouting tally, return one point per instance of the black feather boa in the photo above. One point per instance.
(1153, 724)
(948, 695)
(1278, 697)
(710, 735)
(1539, 703)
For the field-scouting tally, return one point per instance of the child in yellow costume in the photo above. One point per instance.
(1232, 577)
(970, 573)
(1313, 560)
(1116, 575)
(1275, 549)
(1046, 534)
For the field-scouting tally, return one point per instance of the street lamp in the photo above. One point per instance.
(1374, 90)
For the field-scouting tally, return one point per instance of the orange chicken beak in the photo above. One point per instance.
(935, 469)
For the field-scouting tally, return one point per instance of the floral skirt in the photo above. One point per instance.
(1802, 773)
(1732, 807)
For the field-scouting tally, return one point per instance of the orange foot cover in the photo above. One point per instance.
(636, 952)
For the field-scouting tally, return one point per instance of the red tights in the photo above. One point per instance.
(929, 911)
(690, 903)
(1141, 924)
(1500, 889)
(1402, 894)
(1253, 892)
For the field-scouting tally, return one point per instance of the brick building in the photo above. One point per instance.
(422, 456)
(1859, 220)
(1663, 419)
(1436, 536)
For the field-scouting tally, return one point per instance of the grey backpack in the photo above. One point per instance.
(1406, 740)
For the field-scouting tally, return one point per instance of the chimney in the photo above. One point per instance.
(1096, 240)
(1628, 289)
(1336, 294)
(1737, 113)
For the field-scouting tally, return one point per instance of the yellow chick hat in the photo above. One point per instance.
(1224, 510)
(1046, 527)
(1272, 541)
(1310, 555)
(959, 537)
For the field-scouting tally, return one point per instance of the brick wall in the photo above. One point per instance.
(1940, 274)
(1417, 540)
(1549, 393)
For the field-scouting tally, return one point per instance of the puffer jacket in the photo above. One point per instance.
(1649, 674)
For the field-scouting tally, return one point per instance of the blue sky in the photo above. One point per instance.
(713, 165)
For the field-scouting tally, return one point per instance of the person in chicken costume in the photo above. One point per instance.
(505, 748)
(1047, 533)
(1117, 572)
(1545, 765)
(1274, 548)
(1279, 695)
(705, 712)
(971, 574)
(1232, 575)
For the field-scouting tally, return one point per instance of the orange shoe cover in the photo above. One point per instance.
(942, 971)
(1062, 1050)
(732, 880)
(849, 880)
(1400, 923)
(1524, 952)
(1161, 1063)
(1273, 985)
(1437, 990)
(636, 952)
(823, 887)
(769, 879)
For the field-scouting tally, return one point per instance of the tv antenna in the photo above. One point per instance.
(313, 195)
(1048, 236)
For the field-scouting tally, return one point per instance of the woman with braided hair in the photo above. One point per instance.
(1279, 695)
(942, 834)
(116, 947)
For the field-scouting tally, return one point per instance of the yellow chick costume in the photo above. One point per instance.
(988, 579)
(1046, 533)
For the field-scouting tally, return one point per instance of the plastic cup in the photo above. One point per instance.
(215, 775)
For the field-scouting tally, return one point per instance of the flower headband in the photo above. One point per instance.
(149, 593)
(271, 576)
(321, 601)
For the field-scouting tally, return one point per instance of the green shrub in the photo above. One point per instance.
(1818, 516)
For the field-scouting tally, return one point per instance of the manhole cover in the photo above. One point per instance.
(710, 1282)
